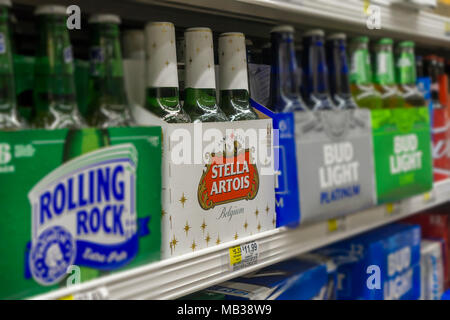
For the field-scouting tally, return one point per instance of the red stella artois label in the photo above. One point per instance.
(227, 179)
(441, 146)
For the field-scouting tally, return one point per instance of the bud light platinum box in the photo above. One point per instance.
(76, 205)
(382, 264)
(293, 279)
(402, 149)
(218, 181)
(325, 163)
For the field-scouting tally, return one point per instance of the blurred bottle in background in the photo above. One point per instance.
(384, 76)
(54, 94)
(361, 85)
(108, 103)
(234, 95)
(133, 44)
(315, 72)
(336, 48)
(431, 70)
(406, 75)
(285, 74)
(9, 118)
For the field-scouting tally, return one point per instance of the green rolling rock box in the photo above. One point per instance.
(77, 202)
(402, 150)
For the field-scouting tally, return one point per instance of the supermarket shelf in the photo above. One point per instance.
(397, 22)
(176, 277)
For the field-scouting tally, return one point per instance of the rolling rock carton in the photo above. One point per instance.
(294, 279)
(87, 198)
(381, 264)
(325, 163)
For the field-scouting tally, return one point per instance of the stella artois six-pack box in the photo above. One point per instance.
(76, 205)
(217, 182)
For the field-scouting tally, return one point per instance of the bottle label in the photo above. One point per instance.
(2, 43)
(199, 60)
(84, 213)
(358, 72)
(233, 63)
(385, 68)
(68, 55)
(406, 69)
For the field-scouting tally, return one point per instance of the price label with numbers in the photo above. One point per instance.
(244, 255)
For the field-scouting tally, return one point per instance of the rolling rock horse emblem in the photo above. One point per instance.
(229, 176)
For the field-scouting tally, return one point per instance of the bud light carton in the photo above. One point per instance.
(293, 279)
(76, 205)
(432, 270)
(383, 264)
(435, 225)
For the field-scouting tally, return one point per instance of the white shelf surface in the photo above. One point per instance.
(398, 22)
(176, 277)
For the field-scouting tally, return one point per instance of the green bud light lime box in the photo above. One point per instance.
(402, 151)
(86, 200)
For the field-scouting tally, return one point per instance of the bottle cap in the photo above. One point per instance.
(314, 32)
(161, 55)
(387, 41)
(50, 9)
(282, 28)
(406, 44)
(133, 44)
(104, 18)
(337, 36)
(199, 63)
(233, 61)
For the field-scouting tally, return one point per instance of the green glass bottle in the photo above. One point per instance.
(384, 77)
(200, 93)
(108, 103)
(361, 85)
(162, 95)
(234, 96)
(54, 85)
(9, 118)
(406, 75)
(77, 143)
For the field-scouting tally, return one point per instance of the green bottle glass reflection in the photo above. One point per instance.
(54, 96)
(77, 143)
(108, 103)
(200, 93)
(162, 94)
(9, 118)
(361, 85)
(406, 76)
(234, 96)
(384, 77)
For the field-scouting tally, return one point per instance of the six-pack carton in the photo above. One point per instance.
(293, 279)
(77, 204)
(431, 270)
(382, 264)
(217, 182)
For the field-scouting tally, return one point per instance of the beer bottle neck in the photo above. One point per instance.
(285, 74)
(235, 98)
(315, 67)
(360, 73)
(7, 87)
(385, 66)
(200, 98)
(406, 67)
(106, 64)
(163, 98)
(337, 62)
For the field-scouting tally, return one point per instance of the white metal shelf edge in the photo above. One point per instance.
(176, 277)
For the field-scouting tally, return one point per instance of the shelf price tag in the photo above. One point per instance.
(337, 224)
(244, 255)
(392, 209)
(428, 197)
(96, 294)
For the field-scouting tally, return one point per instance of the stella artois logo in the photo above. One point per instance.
(227, 178)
